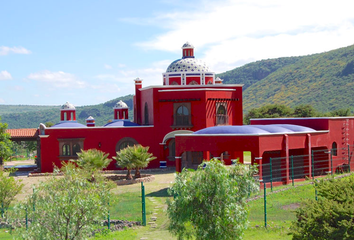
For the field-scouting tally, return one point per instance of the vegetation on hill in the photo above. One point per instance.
(30, 119)
(255, 71)
(324, 81)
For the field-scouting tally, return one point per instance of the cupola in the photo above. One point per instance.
(121, 110)
(67, 112)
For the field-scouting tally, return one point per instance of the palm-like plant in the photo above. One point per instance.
(124, 160)
(92, 160)
(132, 157)
(142, 158)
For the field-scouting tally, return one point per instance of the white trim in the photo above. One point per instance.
(255, 134)
(199, 89)
(191, 86)
(173, 133)
(43, 136)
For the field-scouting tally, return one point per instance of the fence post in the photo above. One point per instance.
(313, 165)
(292, 168)
(271, 174)
(265, 204)
(108, 218)
(26, 219)
(316, 191)
(349, 157)
(143, 204)
(331, 161)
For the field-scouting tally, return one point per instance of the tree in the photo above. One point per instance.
(141, 158)
(9, 188)
(304, 111)
(124, 160)
(92, 160)
(68, 207)
(268, 111)
(5, 144)
(331, 217)
(210, 203)
(134, 157)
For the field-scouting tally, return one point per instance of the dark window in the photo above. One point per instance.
(125, 142)
(221, 114)
(334, 149)
(69, 147)
(172, 150)
(76, 149)
(182, 116)
(66, 150)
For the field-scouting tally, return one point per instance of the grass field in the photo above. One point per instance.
(126, 205)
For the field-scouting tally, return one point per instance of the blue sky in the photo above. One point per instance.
(89, 52)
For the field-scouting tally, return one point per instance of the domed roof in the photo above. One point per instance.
(121, 104)
(68, 106)
(255, 129)
(188, 65)
(121, 123)
(68, 124)
(187, 45)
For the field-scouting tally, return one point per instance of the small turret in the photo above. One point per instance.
(121, 110)
(67, 112)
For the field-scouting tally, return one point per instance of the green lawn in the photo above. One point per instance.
(126, 205)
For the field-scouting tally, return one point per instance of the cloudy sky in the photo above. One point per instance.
(88, 52)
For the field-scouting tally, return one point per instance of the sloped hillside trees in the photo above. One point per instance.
(332, 216)
(5, 144)
(210, 203)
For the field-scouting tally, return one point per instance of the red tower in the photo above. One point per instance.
(67, 112)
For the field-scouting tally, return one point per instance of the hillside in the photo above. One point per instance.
(33, 116)
(325, 81)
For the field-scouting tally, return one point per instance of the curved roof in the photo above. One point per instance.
(68, 106)
(187, 45)
(68, 124)
(121, 123)
(255, 129)
(121, 104)
(188, 65)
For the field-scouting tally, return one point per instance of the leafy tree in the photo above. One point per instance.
(124, 160)
(268, 111)
(134, 157)
(92, 160)
(210, 203)
(141, 158)
(304, 111)
(341, 113)
(5, 144)
(66, 208)
(9, 188)
(49, 124)
(331, 217)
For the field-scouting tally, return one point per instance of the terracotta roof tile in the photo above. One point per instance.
(22, 133)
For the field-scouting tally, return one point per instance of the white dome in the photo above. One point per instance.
(188, 65)
(187, 45)
(121, 104)
(68, 106)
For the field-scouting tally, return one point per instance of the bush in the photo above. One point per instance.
(332, 216)
(210, 203)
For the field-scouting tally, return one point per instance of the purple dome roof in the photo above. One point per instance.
(68, 124)
(121, 123)
(255, 129)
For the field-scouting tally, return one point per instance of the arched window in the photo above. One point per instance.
(125, 142)
(334, 149)
(221, 114)
(182, 116)
(66, 150)
(193, 83)
(146, 114)
(76, 149)
(174, 83)
(172, 150)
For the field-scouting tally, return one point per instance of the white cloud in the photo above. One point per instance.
(57, 79)
(107, 66)
(17, 50)
(2, 100)
(229, 33)
(5, 75)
